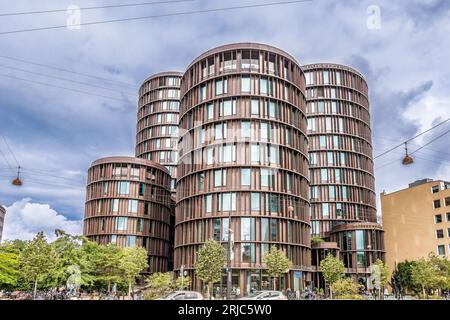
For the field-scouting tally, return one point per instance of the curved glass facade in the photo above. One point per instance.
(157, 125)
(243, 161)
(128, 203)
(340, 147)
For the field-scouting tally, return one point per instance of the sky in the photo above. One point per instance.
(401, 47)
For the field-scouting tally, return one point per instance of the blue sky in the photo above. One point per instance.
(57, 132)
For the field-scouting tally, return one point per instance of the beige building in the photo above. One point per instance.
(416, 221)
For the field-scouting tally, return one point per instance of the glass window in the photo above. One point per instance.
(255, 153)
(323, 142)
(331, 192)
(272, 202)
(272, 109)
(312, 158)
(330, 158)
(210, 111)
(209, 156)
(338, 77)
(288, 182)
(256, 201)
(255, 107)
(216, 229)
(208, 203)
(228, 108)
(123, 188)
(219, 87)
(113, 239)
(115, 205)
(121, 223)
(360, 240)
(440, 234)
(441, 250)
(132, 206)
(437, 204)
(264, 229)
(201, 179)
(273, 229)
(140, 225)
(228, 201)
(438, 218)
(324, 175)
(245, 176)
(447, 201)
(248, 229)
(203, 92)
(245, 84)
(131, 241)
(321, 107)
(246, 129)
(248, 253)
(225, 229)
(220, 177)
(326, 77)
(265, 177)
(325, 210)
(435, 189)
(228, 153)
(448, 218)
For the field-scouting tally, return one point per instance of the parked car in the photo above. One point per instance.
(265, 295)
(183, 295)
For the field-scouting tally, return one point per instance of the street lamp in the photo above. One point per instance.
(230, 253)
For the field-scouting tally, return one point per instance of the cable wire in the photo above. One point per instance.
(430, 142)
(65, 79)
(158, 16)
(130, 85)
(94, 8)
(64, 88)
(420, 134)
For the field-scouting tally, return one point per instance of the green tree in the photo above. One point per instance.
(68, 250)
(317, 240)
(332, 269)
(346, 288)
(424, 275)
(441, 267)
(8, 266)
(182, 282)
(277, 263)
(132, 262)
(403, 276)
(379, 277)
(211, 259)
(159, 284)
(37, 260)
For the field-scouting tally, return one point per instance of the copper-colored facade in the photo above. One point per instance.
(243, 156)
(342, 190)
(2, 219)
(157, 125)
(128, 203)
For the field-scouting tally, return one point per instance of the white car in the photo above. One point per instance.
(265, 295)
(183, 295)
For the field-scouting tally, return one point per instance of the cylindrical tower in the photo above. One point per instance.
(157, 121)
(128, 203)
(243, 163)
(340, 147)
(342, 189)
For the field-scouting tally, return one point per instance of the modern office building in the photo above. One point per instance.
(128, 203)
(342, 190)
(157, 121)
(2, 220)
(416, 221)
(243, 163)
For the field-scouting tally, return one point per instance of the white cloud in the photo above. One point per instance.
(24, 219)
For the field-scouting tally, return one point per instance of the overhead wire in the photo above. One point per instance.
(174, 14)
(415, 137)
(93, 7)
(65, 79)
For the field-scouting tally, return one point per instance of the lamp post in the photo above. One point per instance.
(230, 253)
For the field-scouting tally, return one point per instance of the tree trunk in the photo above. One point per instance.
(35, 289)
(109, 286)
(274, 283)
(331, 292)
(423, 291)
(129, 290)
(210, 285)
